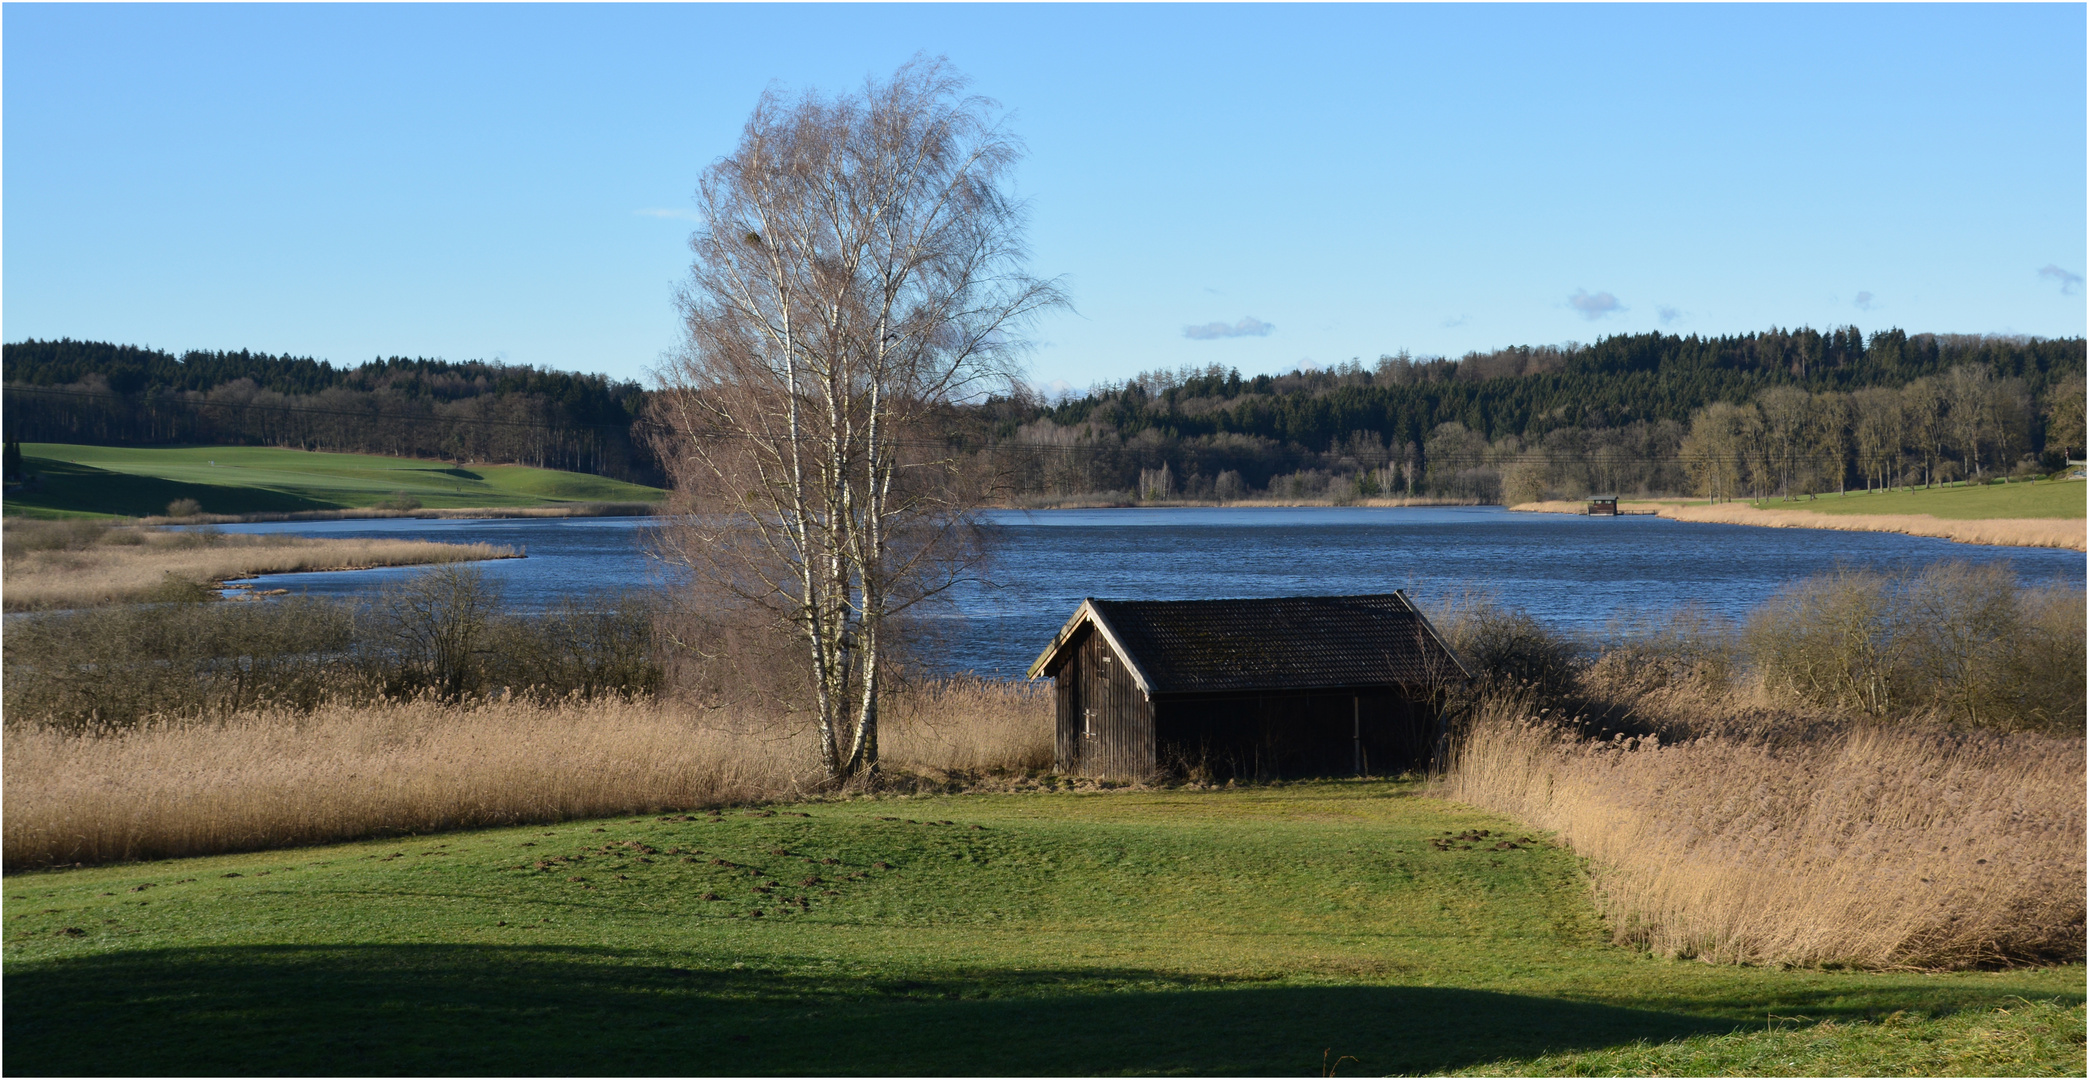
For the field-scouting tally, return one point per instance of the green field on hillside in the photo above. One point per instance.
(1255, 931)
(2031, 499)
(137, 482)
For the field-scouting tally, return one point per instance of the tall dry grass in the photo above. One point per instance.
(74, 565)
(2007, 532)
(2011, 532)
(1816, 844)
(266, 779)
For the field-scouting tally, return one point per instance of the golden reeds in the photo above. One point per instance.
(2007, 532)
(1864, 846)
(2011, 532)
(269, 779)
(109, 573)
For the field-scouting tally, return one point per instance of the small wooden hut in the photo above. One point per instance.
(1603, 505)
(1297, 686)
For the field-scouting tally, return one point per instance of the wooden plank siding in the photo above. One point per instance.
(1105, 722)
(1274, 686)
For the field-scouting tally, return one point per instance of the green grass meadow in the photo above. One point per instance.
(1265, 930)
(1959, 502)
(138, 482)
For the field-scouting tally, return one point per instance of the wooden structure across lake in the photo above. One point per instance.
(1603, 505)
(1297, 686)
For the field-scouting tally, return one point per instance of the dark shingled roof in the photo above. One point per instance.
(1284, 643)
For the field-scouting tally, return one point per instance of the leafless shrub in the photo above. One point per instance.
(26, 535)
(1963, 642)
(586, 647)
(441, 633)
(118, 666)
(1505, 646)
(431, 629)
(1688, 648)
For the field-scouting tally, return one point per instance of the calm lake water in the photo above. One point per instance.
(1575, 572)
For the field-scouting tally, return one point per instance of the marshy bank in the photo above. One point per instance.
(150, 731)
(273, 776)
(2039, 513)
(1876, 771)
(87, 563)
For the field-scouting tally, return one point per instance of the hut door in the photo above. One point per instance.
(1097, 730)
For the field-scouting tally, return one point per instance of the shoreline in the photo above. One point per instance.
(2064, 533)
(607, 509)
(1376, 502)
(99, 576)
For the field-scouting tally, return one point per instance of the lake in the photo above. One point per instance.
(1578, 573)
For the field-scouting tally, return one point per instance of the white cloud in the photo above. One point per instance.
(682, 215)
(1452, 324)
(1248, 326)
(1668, 314)
(1866, 301)
(2070, 282)
(1594, 306)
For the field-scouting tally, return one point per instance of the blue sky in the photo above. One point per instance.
(1254, 186)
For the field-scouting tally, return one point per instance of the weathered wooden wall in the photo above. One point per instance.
(1105, 722)
(1299, 733)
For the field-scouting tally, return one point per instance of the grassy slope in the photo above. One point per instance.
(1234, 932)
(2044, 499)
(131, 481)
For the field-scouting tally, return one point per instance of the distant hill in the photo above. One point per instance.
(1523, 421)
(122, 395)
(1613, 415)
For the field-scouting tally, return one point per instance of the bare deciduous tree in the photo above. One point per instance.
(2064, 402)
(1721, 449)
(858, 272)
(1968, 389)
(1924, 401)
(1879, 430)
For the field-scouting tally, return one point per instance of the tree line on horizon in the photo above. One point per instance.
(471, 411)
(1761, 414)
(1786, 412)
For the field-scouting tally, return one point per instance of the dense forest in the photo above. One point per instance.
(1782, 412)
(90, 392)
(1628, 414)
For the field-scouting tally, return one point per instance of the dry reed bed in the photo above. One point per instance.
(2008, 532)
(1872, 847)
(109, 573)
(268, 780)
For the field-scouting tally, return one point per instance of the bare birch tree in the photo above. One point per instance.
(858, 272)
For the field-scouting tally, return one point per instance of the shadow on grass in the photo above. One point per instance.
(69, 486)
(523, 1010)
